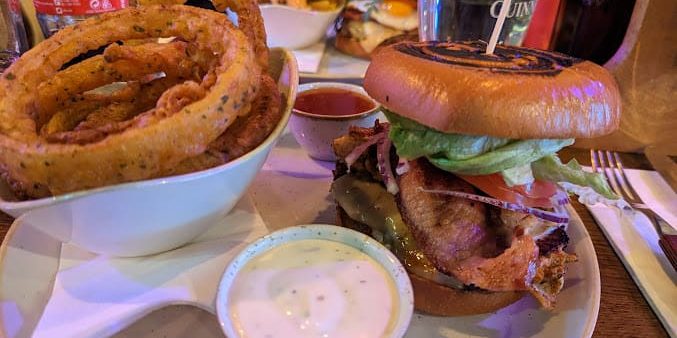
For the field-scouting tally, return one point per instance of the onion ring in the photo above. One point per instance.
(118, 63)
(114, 112)
(248, 132)
(250, 22)
(125, 93)
(152, 145)
(146, 99)
(165, 95)
(134, 96)
(244, 135)
(71, 116)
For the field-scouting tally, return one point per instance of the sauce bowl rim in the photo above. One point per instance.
(336, 85)
(379, 253)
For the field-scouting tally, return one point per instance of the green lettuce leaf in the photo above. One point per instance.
(466, 154)
(483, 155)
(415, 140)
(550, 168)
(518, 175)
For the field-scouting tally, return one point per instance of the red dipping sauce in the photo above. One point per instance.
(332, 102)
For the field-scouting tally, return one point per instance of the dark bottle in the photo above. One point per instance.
(592, 29)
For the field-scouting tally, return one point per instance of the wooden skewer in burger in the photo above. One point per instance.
(463, 184)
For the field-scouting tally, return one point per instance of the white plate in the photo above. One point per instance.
(29, 261)
(338, 66)
(290, 177)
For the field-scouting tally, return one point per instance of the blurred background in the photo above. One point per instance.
(634, 39)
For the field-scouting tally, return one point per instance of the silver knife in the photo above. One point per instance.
(667, 240)
(663, 164)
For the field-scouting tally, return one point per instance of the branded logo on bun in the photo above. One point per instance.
(463, 183)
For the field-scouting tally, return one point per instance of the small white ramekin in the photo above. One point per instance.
(315, 133)
(355, 239)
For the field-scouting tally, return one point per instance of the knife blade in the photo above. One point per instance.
(663, 164)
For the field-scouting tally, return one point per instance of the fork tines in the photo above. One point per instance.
(614, 172)
(610, 165)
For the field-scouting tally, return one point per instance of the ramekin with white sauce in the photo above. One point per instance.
(315, 281)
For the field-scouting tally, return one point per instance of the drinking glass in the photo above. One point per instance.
(460, 20)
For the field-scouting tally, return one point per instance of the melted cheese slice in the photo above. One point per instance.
(375, 34)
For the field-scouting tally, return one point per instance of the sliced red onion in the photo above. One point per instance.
(385, 169)
(560, 197)
(562, 210)
(402, 167)
(360, 149)
(555, 217)
(383, 145)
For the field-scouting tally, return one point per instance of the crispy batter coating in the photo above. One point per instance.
(92, 120)
(124, 92)
(117, 63)
(68, 118)
(251, 23)
(246, 133)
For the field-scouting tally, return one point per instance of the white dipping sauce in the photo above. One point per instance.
(313, 288)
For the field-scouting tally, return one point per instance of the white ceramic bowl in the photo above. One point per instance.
(152, 216)
(352, 238)
(294, 28)
(315, 133)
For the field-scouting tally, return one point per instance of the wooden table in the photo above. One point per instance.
(623, 311)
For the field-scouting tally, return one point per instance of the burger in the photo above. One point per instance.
(463, 183)
(365, 25)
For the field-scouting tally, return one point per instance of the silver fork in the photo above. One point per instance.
(615, 174)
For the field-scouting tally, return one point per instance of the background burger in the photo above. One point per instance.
(366, 24)
(463, 184)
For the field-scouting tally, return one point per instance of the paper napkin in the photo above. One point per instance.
(309, 58)
(97, 295)
(635, 240)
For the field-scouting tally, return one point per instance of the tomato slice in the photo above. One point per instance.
(535, 195)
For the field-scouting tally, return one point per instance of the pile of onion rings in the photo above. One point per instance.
(159, 100)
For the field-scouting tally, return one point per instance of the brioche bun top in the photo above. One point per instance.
(517, 92)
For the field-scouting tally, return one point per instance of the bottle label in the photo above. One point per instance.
(15, 6)
(78, 7)
(518, 9)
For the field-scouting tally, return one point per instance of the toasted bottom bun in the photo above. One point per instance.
(439, 300)
(350, 46)
(436, 299)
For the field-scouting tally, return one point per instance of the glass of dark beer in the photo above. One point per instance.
(458, 20)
